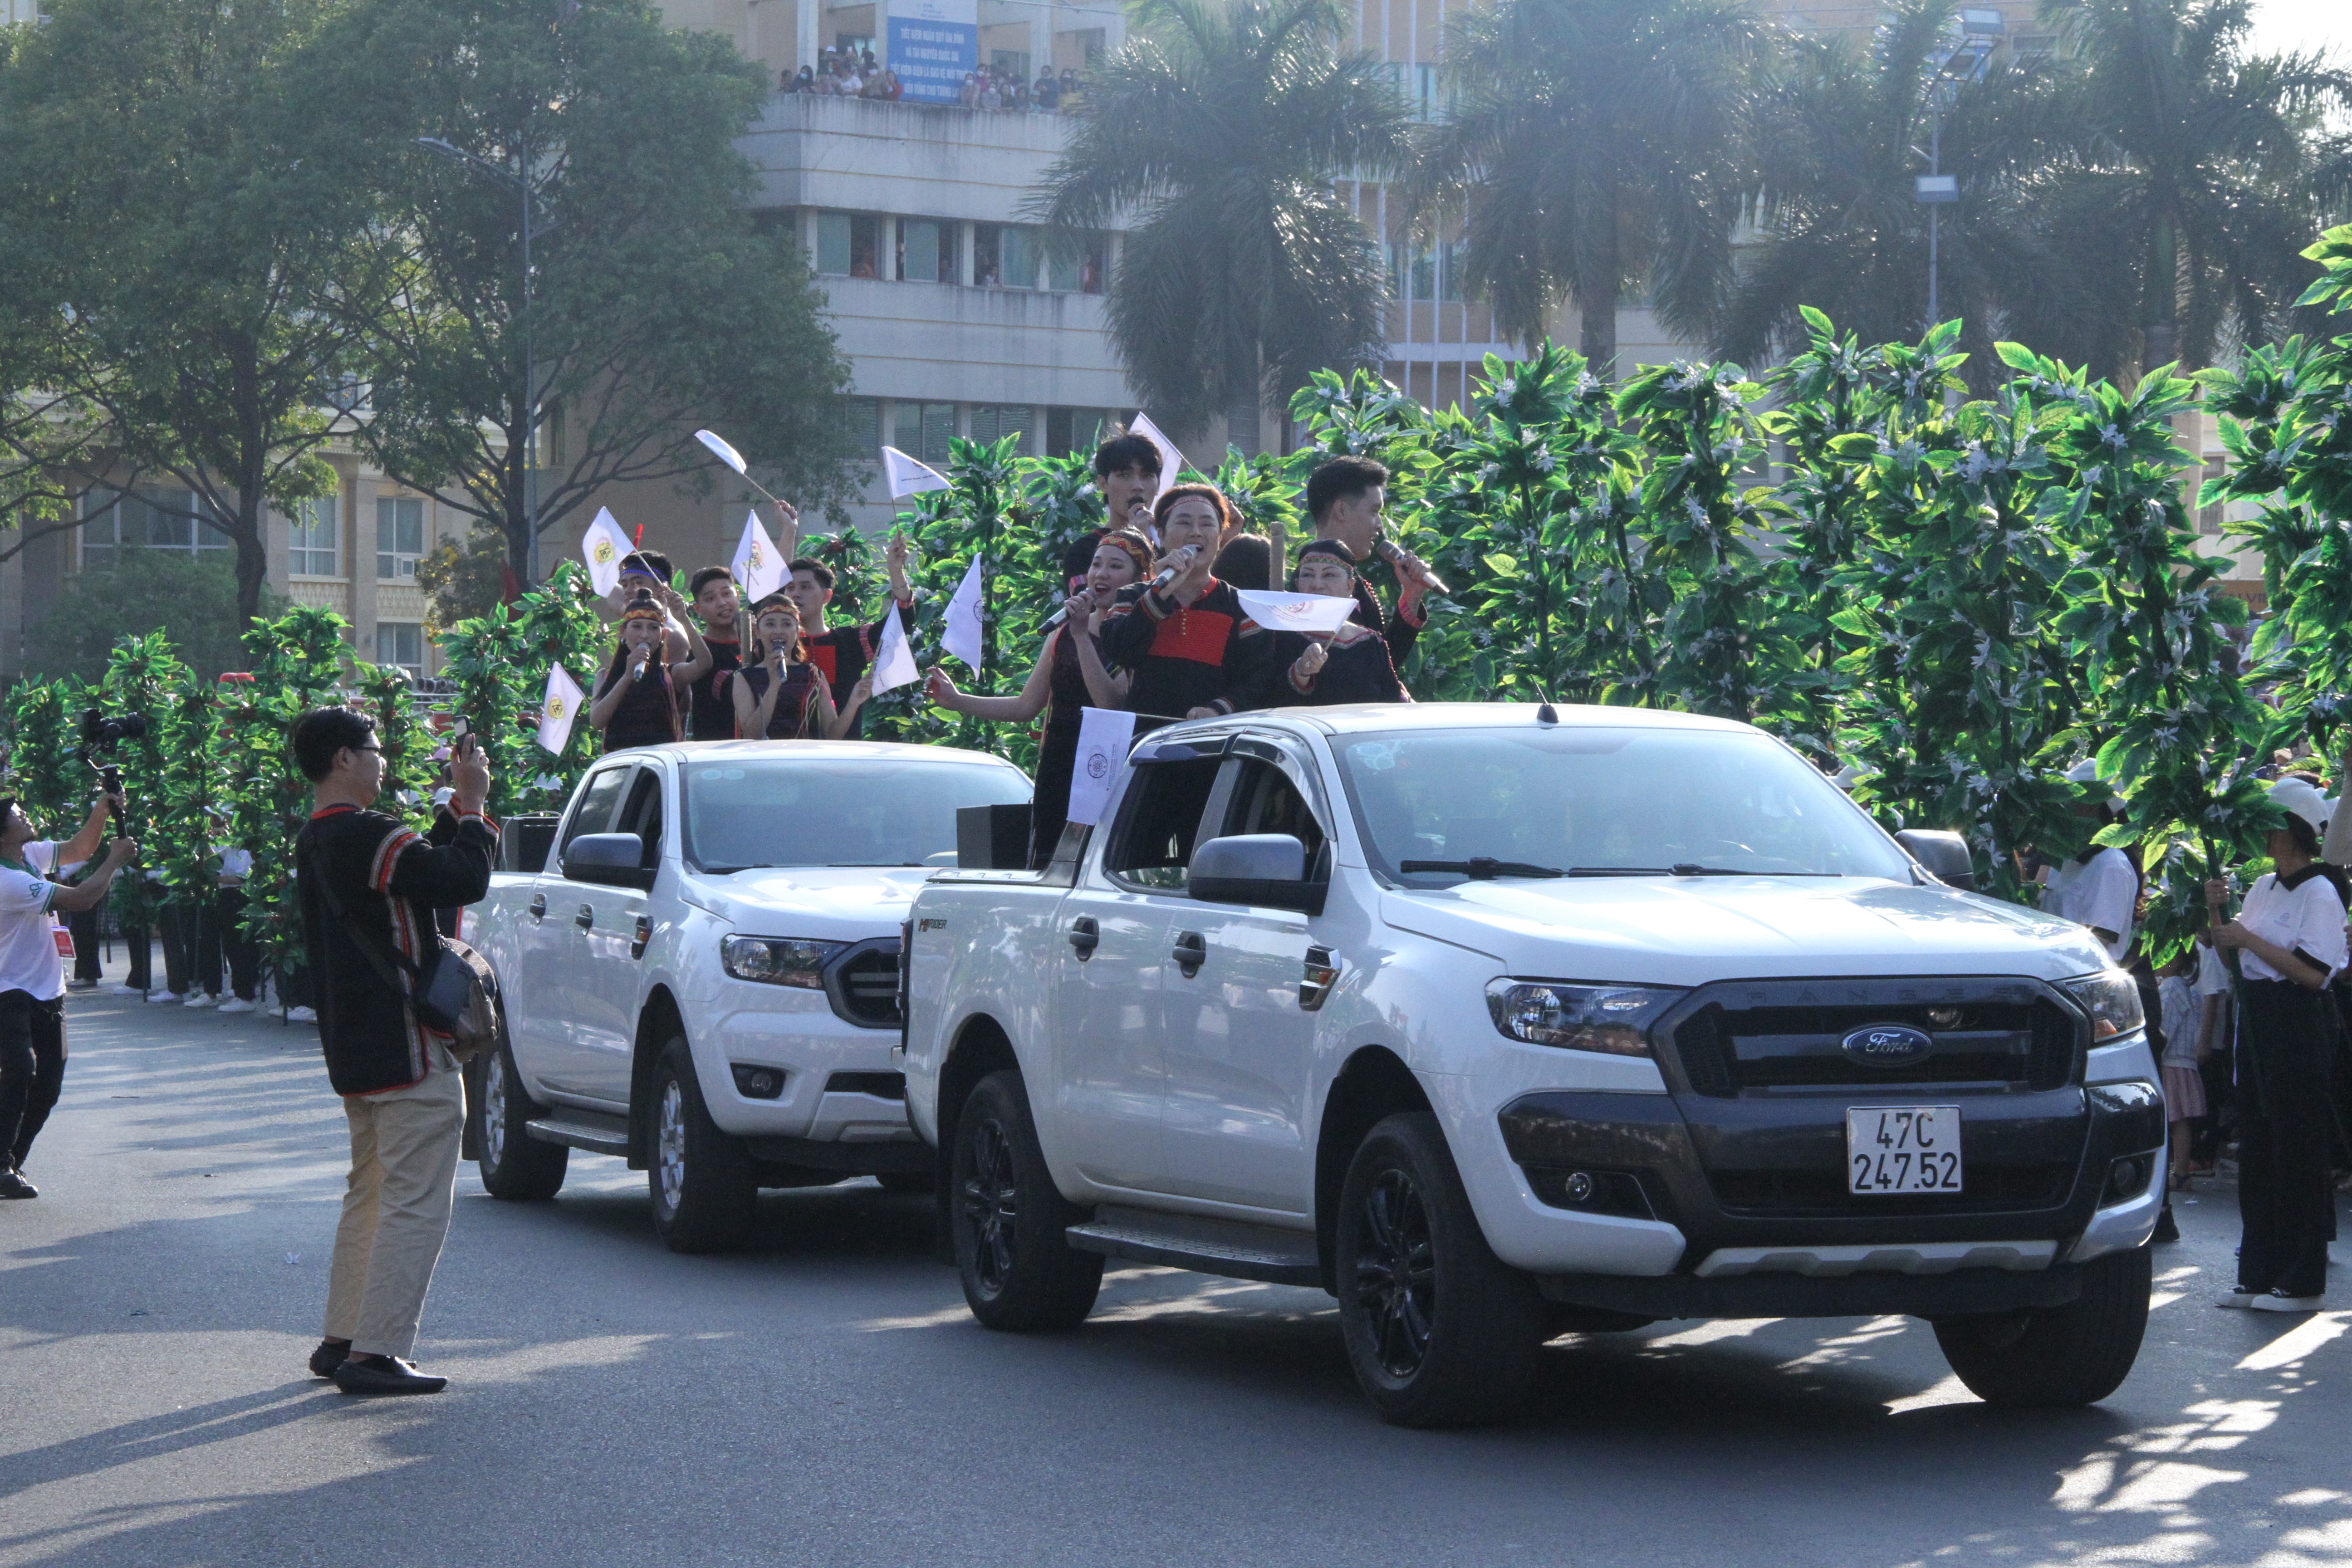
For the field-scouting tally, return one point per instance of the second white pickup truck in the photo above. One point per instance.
(1497, 1022)
(698, 965)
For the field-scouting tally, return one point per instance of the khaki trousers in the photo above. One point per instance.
(395, 1209)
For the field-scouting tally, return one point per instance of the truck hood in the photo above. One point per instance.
(843, 903)
(1688, 931)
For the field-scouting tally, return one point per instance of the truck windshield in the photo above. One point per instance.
(1571, 801)
(796, 811)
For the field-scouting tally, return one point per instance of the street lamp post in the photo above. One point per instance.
(520, 184)
(1975, 32)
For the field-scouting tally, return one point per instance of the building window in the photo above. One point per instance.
(1078, 270)
(2211, 518)
(1078, 430)
(922, 430)
(862, 417)
(401, 643)
(987, 246)
(148, 520)
(992, 422)
(926, 251)
(846, 246)
(314, 538)
(1449, 273)
(1021, 257)
(399, 539)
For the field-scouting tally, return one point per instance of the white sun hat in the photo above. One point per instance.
(2299, 797)
(2087, 772)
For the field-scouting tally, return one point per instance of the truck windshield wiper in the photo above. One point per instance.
(1481, 867)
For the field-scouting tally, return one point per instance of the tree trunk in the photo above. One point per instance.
(2159, 336)
(1596, 302)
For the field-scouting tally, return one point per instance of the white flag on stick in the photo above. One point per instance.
(1105, 737)
(962, 636)
(1172, 461)
(909, 477)
(1296, 612)
(758, 567)
(562, 704)
(894, 660)
(603, 547)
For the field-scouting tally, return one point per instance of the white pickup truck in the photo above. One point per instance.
(1498, 1022)
(701, 976)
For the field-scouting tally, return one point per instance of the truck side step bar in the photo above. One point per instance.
(1229, 1248)
(589, 1130)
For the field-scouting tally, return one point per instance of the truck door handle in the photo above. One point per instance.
(1086, 935)
(539, 906)
(644, 935)
(586, 918)
(1190, 952)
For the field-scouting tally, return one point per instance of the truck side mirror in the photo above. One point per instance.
(1265, 868)
(1945, 854)
(612, 859)
(524, 841)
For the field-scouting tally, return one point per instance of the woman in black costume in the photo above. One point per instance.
(636, 703)
(1070, 676)
(779, 694)
(1297, 670)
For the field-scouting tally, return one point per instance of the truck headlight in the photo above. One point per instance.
(778, 960)
(1611, 1018)
(2111, 999)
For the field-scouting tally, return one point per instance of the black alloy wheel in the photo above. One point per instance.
(1396, 1273)
(1008, 1220)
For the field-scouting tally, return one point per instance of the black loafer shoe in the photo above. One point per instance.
(330, 1355)
(2165, 1229)
(384, 1374)
(14, 1185)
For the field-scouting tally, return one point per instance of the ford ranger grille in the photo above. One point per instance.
(1726, 1049)
(863, 984)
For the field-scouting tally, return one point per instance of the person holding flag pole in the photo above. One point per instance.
(1298, 657)
(1070, 676)
(843, 654)
(788, 519)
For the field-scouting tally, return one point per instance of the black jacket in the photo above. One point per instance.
(1183, 655)
(389, 880)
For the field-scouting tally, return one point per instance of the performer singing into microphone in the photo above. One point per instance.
(1070, 676)
(1345, 497)
(1178, 633)
(1295, 668)
(779, 694)
(1127, 472)
(636, 702)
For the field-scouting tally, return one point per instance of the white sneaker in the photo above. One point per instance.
(197, 999)
(120, 990)
(2276, 1301)
(301, 1015)
(239, 1004)
(2236, 1299)
(162, 997)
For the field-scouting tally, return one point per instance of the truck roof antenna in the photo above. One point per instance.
(1547, 714)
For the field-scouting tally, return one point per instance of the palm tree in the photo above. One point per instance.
(1592, 150)
(1222, 128)
(2195, 174)
(1840, 134)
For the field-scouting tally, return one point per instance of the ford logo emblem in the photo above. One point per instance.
(1888, 1045)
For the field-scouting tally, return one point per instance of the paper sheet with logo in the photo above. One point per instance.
(1105, 737)
(1296, 612)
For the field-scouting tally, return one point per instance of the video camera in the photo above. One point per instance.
(101, 734)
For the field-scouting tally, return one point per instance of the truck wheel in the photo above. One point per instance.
(1440, 1331)
(704, 1189)
(1019, 1271)
(2050, 1357)
(514, 1165)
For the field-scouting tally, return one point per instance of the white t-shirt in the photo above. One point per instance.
(2184, 1020)
(2308, 917)
(2102, 893)
(28, 952)
(2212, 975)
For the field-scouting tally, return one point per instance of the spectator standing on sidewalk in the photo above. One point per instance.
(32, 974)
(221, 934)
(368, 887)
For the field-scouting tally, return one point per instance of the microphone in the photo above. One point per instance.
(1388, 551)
(1177, 564)
(643, 665)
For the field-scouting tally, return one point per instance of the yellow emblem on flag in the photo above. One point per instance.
(555, 707)
(603, 553)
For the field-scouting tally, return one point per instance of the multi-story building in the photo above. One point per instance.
(953, 318)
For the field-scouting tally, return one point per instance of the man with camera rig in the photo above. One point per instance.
(32, 975)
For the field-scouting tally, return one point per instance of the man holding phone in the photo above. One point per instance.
(369, 888)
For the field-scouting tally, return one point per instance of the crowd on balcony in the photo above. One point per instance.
(854, 73)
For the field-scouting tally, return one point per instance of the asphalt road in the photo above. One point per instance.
(825, 1399)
